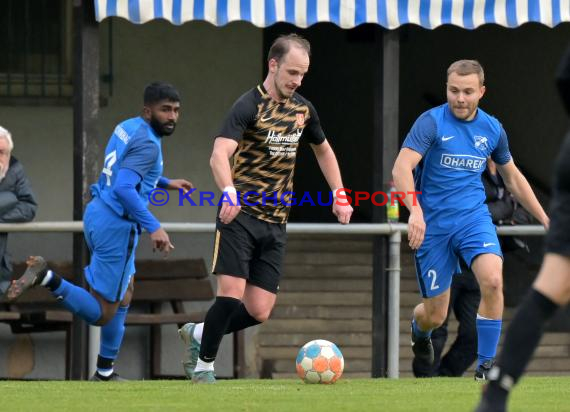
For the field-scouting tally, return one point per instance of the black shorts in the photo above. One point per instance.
(558, 237)
(251, 249)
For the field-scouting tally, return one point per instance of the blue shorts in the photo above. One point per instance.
(437, 259)
(112, 241)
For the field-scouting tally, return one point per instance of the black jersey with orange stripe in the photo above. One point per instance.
(268, 135)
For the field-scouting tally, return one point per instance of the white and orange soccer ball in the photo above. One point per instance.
(320, 361)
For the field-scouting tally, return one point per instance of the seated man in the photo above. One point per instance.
(17, 203)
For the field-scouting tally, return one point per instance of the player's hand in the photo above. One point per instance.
(183, 184)
(546, 223)
(228, 212)
(342, 211)
(416, 228)
(161, 242)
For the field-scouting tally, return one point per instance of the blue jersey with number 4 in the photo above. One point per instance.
(454, 155)
(134, 145)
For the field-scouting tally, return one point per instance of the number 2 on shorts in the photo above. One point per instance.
(433, 276)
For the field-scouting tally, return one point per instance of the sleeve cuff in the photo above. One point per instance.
(152, 226)
(163, 182)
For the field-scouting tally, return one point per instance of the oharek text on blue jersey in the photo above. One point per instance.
(463, 162)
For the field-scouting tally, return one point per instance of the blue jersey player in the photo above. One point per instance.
(443, 157)
(113, 221)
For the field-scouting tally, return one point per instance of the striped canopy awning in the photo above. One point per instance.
(391, 14)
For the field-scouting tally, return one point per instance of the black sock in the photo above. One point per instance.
(54, 282)
(521, 340)
(215, 326)
(241, 319)
(104, 363)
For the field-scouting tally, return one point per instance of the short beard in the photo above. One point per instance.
(466, 116)
(160, 129)
(3, 171)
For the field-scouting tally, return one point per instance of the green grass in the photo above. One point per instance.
(430, 395)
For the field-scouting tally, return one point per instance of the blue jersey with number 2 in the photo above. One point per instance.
(454, 155)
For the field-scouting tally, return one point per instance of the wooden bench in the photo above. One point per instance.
(156, 282)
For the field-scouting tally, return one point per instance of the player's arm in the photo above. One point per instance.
(126, 192)
(402, 173)
(314, 134)
(239, 118)
(516, 183)
(138, 160)
(174, 184)
(329, 166)
(224, 149)
(418, 141)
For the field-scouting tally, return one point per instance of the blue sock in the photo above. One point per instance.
(78, 301)
(418, 332)
(488, 334)
(112, 334)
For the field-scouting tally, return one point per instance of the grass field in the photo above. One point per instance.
(433, 395)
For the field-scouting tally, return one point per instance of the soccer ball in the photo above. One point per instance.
(320, 361)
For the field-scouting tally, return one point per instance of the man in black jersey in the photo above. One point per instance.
(261, 134)
(551, 289)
